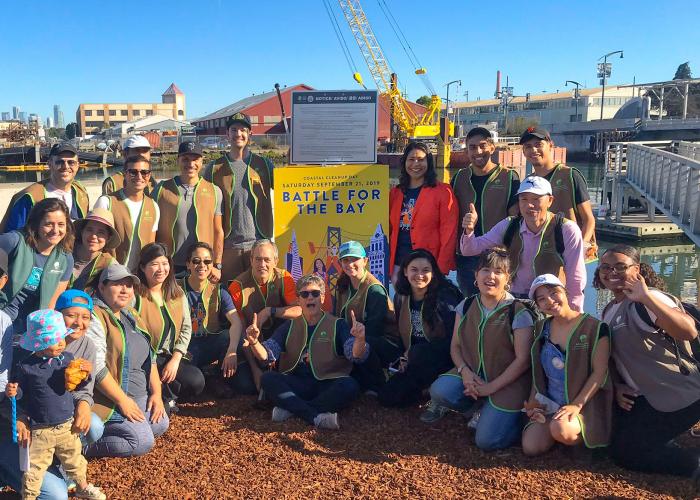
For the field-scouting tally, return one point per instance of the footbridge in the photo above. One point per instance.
(664, 173)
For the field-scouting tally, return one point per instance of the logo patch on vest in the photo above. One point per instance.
(582, 343)
(322, 337)
(56, 268)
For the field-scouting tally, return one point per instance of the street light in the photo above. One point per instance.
(604, 71)
(447, 104)
(576, 95)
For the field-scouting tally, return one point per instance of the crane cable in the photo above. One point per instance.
(403, 41)
(341, 39)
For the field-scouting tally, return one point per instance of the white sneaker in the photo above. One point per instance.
(279, 414)
(327, 421)
(90, 492)
(474, 421)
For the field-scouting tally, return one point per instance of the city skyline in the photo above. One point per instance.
(560, 42)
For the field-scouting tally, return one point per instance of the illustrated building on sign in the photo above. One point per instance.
(377, 254)
(294, 263)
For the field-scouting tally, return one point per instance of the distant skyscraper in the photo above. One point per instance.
(22, 116)
(57, 116)
(49, 122)
(294, 265)
(6, 115)
(15, 112)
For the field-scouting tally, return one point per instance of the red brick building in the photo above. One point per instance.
(266, 116)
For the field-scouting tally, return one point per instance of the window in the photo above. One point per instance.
(100, 112)
(112, 112)
(88, 112)
(575, 118)
(94, 124)
(180, 112)
(137, 112)
(149, 112)
(124, 112)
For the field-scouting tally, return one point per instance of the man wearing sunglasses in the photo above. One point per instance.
(136, 145)
(263, 290)
(63, 166)
(135, 215)
(190, 211)
(314, 355)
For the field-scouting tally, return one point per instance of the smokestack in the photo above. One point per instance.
(498, 84)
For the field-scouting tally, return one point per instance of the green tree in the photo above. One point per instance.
(683, 72)
(71, 130)
(423, 100)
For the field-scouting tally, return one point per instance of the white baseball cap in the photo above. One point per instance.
(535, 185)
(136, 141)
(543, 279)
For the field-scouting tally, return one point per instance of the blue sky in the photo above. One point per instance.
(219, 51)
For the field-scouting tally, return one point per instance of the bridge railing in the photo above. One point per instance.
(668, 181)
(689, 149)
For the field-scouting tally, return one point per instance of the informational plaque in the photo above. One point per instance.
(334, 126)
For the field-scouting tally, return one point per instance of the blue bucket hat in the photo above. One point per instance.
(352, 249)
(45, 328)
(67, 299)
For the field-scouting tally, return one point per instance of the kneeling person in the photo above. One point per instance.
(314, 354)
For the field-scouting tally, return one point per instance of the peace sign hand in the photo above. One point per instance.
(357, 329)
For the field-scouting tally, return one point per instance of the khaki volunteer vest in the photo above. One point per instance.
(323, 359)
(88, 277)
(152, 317)
(406, 328)
(253, 300)
(547, 259)
(211, 298)
(136, 237)
(358, 303)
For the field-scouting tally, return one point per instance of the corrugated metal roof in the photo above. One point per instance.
(247, 102)
(535, 97)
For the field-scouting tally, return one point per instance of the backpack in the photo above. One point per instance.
(514, 225)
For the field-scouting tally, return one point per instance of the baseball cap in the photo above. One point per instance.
(103, 216)
(136, 141)
(116, 272)
(241, 118)
(63, 147)
(352, 249)
(67, 299)
(536, 185)
(45, 328)
(479, 131)
(537, 132)
(189, 147)
(543, 279)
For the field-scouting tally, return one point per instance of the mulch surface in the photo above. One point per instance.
(228, 449)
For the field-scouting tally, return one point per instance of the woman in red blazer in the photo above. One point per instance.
(423, 212)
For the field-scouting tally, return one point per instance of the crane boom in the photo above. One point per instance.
(377, 63)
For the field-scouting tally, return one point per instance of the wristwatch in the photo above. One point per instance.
(273, 311)
(218, 266)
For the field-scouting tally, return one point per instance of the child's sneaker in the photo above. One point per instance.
(90, 492)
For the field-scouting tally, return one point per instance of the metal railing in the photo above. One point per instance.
(689, 149)
(668, 181)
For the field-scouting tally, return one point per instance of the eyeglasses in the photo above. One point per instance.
(197, 261)
(314, 293)
(134, 172)
(70, 163)
(619, 268)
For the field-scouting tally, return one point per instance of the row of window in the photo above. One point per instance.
(554, 104)
(221, 122)
(122, 112)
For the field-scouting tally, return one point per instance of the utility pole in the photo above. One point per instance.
(604, 71)
(576, 96)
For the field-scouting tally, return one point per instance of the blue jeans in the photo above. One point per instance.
(128, 439)
(53, 486)
(206, 350)
(466, 266)
(305, 396)
(497, 429)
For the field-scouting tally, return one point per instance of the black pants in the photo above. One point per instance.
(426, 362)
(188, 382)
(640, 439)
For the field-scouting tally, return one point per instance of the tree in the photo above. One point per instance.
(58, 133)
(71, 130)
(683, 72)
(424, 100)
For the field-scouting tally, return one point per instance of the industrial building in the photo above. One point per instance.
(95, 117)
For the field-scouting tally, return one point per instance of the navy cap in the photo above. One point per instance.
(240, 118)
(191, 148)
(63, 147)
(67, 299)
(537, 132)
(479, 131)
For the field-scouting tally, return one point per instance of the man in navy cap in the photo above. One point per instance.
(190, 210)
(569, 188)
(63, 166)
(245, 179)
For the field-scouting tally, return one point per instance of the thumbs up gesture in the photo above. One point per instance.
(469, 220)
(357, 329)
(253, 332)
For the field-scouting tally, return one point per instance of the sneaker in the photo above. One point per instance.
(91, 492)
(433, 412)
(279, 414)
(171, 407)
(474, 421)
(327, 421)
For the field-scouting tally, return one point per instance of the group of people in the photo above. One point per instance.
(110, 316)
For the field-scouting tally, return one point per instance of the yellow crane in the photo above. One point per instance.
(426, 127)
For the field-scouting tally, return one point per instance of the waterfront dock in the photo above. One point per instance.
(637, 227)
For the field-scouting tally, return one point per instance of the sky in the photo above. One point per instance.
(219, 51)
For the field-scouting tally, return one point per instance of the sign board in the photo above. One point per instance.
(335, 126)
(317, 208)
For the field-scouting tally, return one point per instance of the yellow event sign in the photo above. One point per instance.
(318, 208)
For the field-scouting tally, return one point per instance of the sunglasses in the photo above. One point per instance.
(313, 293)
(133, 172)
(618, 268)
(70, 163)
(197, 261)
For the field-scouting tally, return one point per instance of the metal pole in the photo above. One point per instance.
(661, 104)
(685, 102)
(602, 97)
